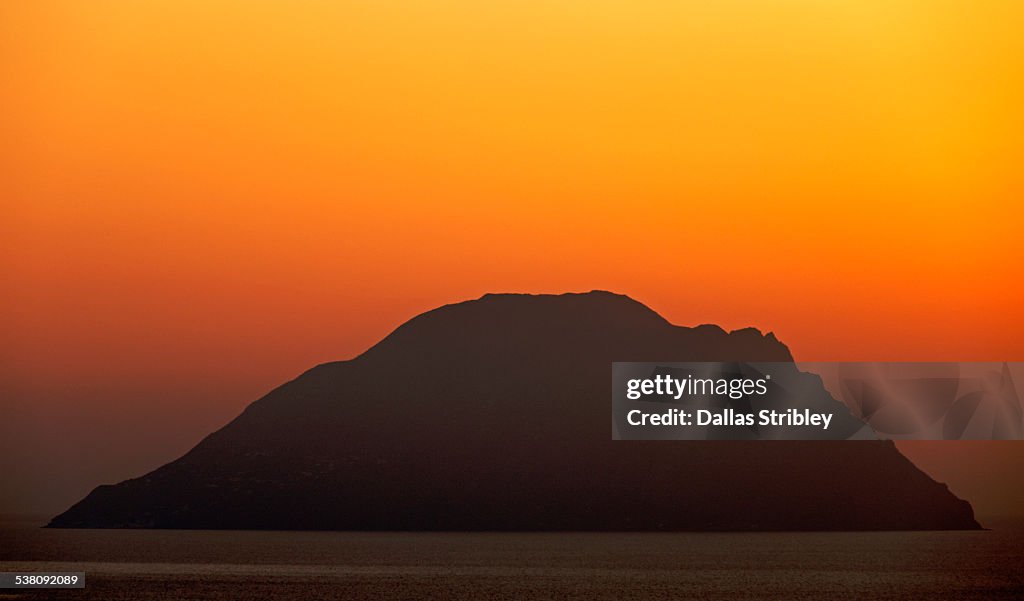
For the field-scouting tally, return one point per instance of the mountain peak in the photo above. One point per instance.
(520, 323)
(493, 414)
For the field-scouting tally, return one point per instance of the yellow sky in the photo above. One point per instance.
(201, 194)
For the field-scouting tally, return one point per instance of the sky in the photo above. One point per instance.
(200, 200)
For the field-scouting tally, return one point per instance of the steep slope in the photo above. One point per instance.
(494, 415)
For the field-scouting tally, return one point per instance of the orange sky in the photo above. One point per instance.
(201, 199)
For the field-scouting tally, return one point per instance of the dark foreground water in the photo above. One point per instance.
(163, 564)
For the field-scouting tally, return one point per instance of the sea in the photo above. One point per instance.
(206, 564)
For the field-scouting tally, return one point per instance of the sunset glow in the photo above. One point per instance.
(206, 198)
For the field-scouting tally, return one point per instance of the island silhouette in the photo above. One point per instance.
(493, 414)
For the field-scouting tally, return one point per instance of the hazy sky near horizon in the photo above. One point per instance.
(202, 199)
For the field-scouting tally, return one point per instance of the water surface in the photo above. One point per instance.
(191, 564)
